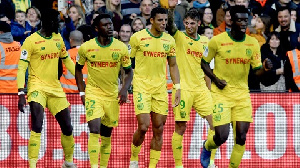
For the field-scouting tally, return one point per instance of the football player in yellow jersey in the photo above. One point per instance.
(151, 49)
(40, 53)
(233, 52)
(190, 48)
(104, 56)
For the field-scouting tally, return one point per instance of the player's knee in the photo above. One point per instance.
(37, 127)
(158, 130)
(241, 140)
(220, 139)
(144, 128)
(67, 130)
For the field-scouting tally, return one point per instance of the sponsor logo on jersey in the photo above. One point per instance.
(93, 56)
(228, 51)
(50, 56)
(155, 54)
(38, 42)
(226, 44)
(146, 45)
(90, 50)
(104, 64)
(42, 48)
(194, 53)
(147, 38)
(190, 43)
(237, 60)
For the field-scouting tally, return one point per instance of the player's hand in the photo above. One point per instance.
(172, 3)
(83, 99)
(267, 64)
(21, 103)
(122, 96)
(177, 98)
(220, 83)
(64, 12)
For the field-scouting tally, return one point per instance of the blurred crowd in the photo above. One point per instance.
(274, 23)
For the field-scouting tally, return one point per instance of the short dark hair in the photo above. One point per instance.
(283, 8)
(19, 11)
(237, 9)
(194, 14)
(158, 10)
(202, 30)
(49, 15)
(4, 27)
(99, 17)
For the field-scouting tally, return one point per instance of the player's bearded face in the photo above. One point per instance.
(106, 28)
(191, 25)
(240, 23)
(159, 22)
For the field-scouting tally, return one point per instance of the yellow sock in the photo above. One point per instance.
(212, 156)
(135, 150)
(154, 158)
(94, 149)
(210, 143)
(67, 143)
(177, 148)
(236, 155)
(34, 144)
(105, 150)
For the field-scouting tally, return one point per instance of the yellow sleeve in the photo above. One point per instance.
(172, 52)
(81, 57)
(26, 51)
(63, 50)
(134, 45)
(211, 51)
(21, 73)
(256, 57)
(69, 64)
(126, 62)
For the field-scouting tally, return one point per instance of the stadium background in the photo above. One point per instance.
(273, 140)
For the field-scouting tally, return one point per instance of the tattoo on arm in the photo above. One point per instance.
(171, 25)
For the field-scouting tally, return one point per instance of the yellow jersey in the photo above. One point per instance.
(150, 55)
(189, 53)
(42, 54)
(232, 62)
(104, 63)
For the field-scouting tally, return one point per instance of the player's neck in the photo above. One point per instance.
(194, 35)
(45, 32)
(238, 36)
(154, 32)
(104, 40)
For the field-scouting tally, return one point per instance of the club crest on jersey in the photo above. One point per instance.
(166, 47)
(249, 52)
(115, 55)
(58, 45)
(24, 54)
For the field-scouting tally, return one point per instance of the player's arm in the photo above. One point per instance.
(174, 73)
(81, 59)
(23, 64)
(126, 85)
(171, 27)
(267, 65)
(69, 64)
(208, 72)
(256, 62)
(22, 67)
(208, 56)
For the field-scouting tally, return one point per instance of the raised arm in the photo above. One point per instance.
(79, 81)
(171, 27)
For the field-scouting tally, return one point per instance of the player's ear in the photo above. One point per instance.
(151, 20)
(199, 23)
